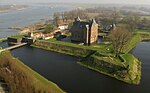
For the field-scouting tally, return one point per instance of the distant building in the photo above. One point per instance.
(62, 26)
(84, 31)
(41, 35)
(109, 28)
(35, 35)
(47, 36)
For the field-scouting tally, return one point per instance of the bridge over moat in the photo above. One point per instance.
(13, 47)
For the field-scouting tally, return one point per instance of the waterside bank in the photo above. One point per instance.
(127, 68)
(3, 40)
(14, 77)
(34, 27)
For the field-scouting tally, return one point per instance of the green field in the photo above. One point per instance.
(17, 36)
(142, 31)
(3, 39)
(132, 43)
(145, 34)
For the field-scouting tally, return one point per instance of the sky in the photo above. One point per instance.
(84, 1)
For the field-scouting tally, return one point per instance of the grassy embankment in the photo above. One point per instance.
(64, 47)
(100, 58)
(118, 70)
(14, 36)
(17, 36)
(3, 40)
(38, 83)
(132, 43)
(145, 34)
(127, 68)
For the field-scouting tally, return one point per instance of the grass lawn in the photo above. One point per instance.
(102, 34)
(145, 34)
(128, 59)
(110, 59)
(142, 31)
(134, 66)
(17, 36)
(3, 39)
(104, 47)
(132, 43)
(53, 40)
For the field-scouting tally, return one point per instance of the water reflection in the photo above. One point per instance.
(73, 78)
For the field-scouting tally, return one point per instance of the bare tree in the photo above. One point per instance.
(115, 15)
(74, 13)
(63, 16)
(131, 22)
(56, 17)
(66, 16)
(119, 37)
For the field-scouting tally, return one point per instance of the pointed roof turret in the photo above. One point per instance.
(114, 26)
(78, 18)
(94, 22)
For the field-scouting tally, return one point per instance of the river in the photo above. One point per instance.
(29, 16)
(73, 78)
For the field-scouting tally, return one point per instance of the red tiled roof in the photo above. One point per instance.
(48, 35)
(62, 24)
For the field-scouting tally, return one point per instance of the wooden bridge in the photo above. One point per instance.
(13, 47)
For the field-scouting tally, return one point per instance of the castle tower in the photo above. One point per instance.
(93, 32)
(84, 31)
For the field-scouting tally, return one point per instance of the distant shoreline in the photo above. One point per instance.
(11, 8)
(32, 27)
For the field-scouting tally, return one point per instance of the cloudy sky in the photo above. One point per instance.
(85, 1)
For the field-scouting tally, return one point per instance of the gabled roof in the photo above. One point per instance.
(48, 35)
(78, 18)
(94, 22)
(80, 24)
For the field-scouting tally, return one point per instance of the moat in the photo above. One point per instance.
(73, 78)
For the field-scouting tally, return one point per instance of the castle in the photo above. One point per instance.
(84, 32)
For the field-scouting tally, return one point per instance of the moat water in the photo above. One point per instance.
(73, 78)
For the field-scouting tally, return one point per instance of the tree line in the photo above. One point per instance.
(105, 16)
